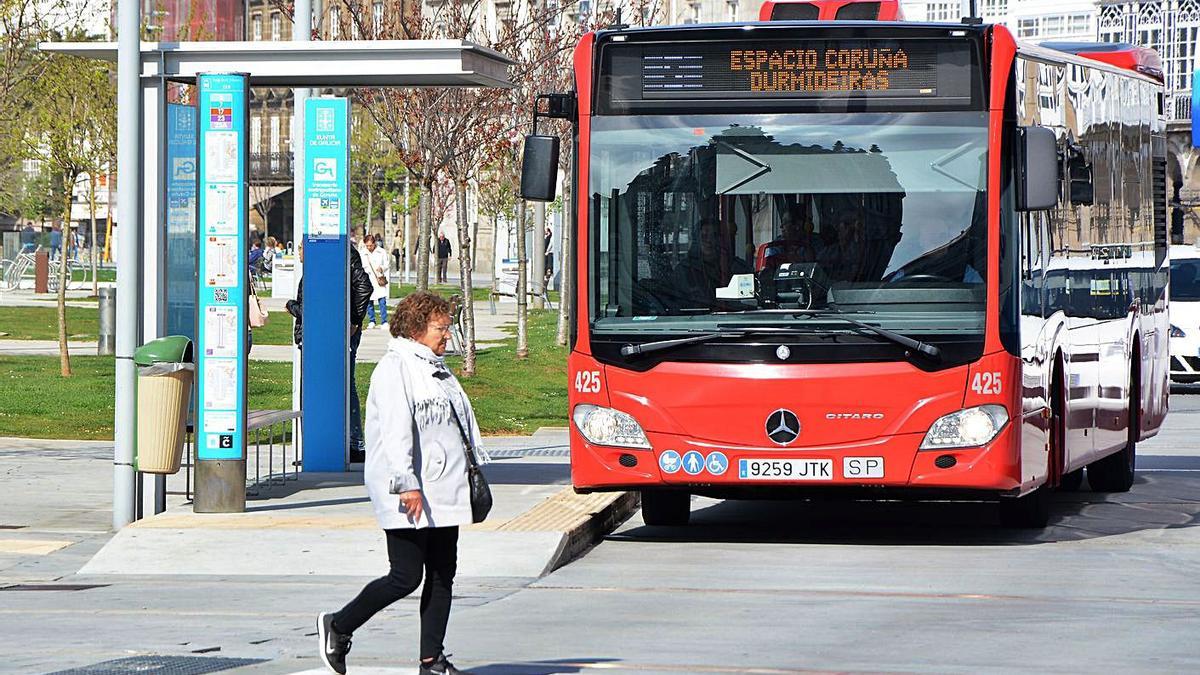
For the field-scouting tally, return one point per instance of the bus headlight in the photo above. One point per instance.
(1176, 331)
(605, 426)
(966, 428)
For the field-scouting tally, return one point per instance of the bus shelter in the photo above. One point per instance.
(146, 277)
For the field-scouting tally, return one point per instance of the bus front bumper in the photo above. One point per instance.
(892, 462)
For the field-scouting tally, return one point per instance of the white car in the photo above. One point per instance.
(1185, 314)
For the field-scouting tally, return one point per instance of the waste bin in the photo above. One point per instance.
(165, 372)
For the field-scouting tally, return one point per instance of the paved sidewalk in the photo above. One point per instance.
(25, 297)
(538, 524)
(44, 348)
(299, 528)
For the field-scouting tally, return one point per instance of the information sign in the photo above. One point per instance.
(222, 285)
(181, 220)
(327, 340)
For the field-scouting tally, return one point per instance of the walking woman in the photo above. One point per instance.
(419, 427)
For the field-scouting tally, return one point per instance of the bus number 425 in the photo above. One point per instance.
(986, 383)
(587, 382)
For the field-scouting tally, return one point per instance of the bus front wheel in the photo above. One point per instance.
(666, 508)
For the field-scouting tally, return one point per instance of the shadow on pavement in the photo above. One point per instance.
(541, 667)
(527, 473)
(1166, 496)
(293, 506)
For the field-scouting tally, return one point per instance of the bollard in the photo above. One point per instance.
(41, 272)
(106, 343)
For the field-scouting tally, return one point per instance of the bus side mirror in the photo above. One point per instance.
(539, 168)
(1037, 169)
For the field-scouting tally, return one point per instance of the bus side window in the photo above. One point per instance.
(1032, 228)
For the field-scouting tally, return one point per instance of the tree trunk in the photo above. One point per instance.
(92, 240)
(424, 224)
(464, 270)
(108, 181)
(370, 211)
(64, 356)
(522, 286)
(564, 267)
(495, 247)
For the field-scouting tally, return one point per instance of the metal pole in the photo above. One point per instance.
(301, 32)
(129, 146)
(106, 340)
(160, 493)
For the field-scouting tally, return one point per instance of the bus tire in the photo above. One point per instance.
(1115, 472)
(666, 508)
(1031, 511)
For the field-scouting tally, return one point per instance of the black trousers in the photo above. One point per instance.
(433, 549)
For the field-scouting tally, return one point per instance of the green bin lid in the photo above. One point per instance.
(169, 349)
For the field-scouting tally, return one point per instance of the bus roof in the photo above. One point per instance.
(1120, 54)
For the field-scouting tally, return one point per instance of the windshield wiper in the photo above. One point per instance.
(932, 351)
(738, 331)
(731, 331)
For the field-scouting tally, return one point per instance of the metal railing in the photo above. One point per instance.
(272, 432)
(1180, 108)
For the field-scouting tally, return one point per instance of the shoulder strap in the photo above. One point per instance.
(468, 446)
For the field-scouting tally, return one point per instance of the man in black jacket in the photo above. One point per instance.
(360, 297)
(443, 257)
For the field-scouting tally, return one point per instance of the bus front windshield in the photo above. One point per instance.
(879, 217)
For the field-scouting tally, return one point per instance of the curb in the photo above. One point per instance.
(579, 539)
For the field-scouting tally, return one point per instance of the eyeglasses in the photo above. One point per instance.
(443, 329)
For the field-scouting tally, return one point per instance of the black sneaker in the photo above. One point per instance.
(334, 645)
(440, 666)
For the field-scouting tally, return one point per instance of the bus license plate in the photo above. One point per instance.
(785, 469)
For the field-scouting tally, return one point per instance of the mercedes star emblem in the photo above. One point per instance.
(783, 426)
(783, 352)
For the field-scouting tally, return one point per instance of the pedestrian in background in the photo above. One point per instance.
(28, 239)
(397, 251)
(444, 251)
(268, 255)
(420, 427)
(360, 298)
(56, 241)
(375, 260)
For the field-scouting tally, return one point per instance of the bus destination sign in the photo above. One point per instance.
(792, 69)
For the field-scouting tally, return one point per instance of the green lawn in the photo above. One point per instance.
(509, 396)
(41, 323)
(82, 271)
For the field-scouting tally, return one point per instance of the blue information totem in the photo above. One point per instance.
(221, 322)
(325, 368)
(181, 220)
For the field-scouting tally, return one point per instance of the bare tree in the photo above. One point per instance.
(58, 132)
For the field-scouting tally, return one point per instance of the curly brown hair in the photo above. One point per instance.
(415, 312)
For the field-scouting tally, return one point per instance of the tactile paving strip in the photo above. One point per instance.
(561, 512)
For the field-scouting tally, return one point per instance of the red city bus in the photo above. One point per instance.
(872, 259)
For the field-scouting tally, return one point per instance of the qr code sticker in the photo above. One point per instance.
(221, 295)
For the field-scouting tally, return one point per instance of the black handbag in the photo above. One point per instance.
(481, 492)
